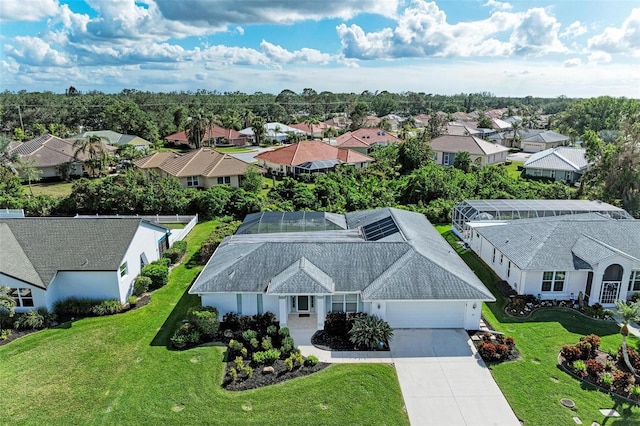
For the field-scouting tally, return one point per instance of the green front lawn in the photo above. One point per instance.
(54, 189)
(118, 370)
(233, 149)
(534, 385)
(512, 169)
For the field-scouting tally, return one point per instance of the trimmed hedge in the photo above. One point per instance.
(157, 272)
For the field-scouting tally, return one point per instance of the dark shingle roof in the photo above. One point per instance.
(67, 244)
(413, 263)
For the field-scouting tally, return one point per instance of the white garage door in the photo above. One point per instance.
(532, 147)
(425, 314)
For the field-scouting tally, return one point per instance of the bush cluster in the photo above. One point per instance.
(158, 272)
(74, 307)
(212, 242)
(370, 332)
(36, 319)
(175, 253)
(141, 285)
(201, 324)
(496, 348)
(340, 323)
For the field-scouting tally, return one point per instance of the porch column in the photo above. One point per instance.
(320, 312)
(283, 311)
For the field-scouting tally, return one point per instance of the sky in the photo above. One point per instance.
(575, 48)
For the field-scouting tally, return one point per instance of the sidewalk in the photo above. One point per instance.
(633, 327)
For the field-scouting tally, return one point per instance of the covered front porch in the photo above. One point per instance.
(302, 311)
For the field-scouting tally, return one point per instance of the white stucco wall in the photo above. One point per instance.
(84, 284)
(271, 304)
(224, 302)
(39, 294)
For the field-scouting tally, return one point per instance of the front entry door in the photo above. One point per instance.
(303, 303)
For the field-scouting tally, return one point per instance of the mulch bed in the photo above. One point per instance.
(329, 342)
(16, 334)
(260, 379)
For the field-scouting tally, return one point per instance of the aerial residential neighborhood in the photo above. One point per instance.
(294, 213)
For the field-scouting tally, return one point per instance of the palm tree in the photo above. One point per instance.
(515, 128)
(258, 129)
(7, 302)
(212, 120)
(91, 147)
(196, 128)
(128, 153)
(628, 313)
(28, 170)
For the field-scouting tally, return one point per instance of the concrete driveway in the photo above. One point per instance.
(444, 381)
(249, 156)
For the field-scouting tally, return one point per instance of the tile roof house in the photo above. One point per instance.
(309, 157)
(562, 163)
(387, 262)
(44, 260)
(481, 152)
(365, 139)
(587, 255)
(116, 139)
(201, 168)
(314, 130)
(50, 152)
(215, 135)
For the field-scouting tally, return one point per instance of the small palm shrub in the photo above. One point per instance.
(288, 345)
(272, 330)
(141, 285)
(370, 332)
(585, 349)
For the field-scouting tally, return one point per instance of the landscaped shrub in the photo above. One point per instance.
(254, 343)
(248, 335)
(571, 353)
(311, 360)
(594, 341)
(594, 367)
(235, 348)
(370, 332)
(185, 335)
(634, 392)
(606, 380)
(162, 261)
(73, 307)
(284, 332)
(266, 343)
(141, 285)
(585, 349)
(266, 357)
(172, 254)
(205, 318)
(106, 307)
(214, 239)
(36, 319)
(634, 356)
(580, 368)
(622, 380)
(487, 351)
(180, 246)
(231, 321)
(272, 330)
(262, 322)
(502, 351)
(289, 363)
(288, 345)
(335, 324)
(635, 297)
(233, 374)
(158, 273)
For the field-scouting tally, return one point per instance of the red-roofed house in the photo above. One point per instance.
(363, 140)
(213, 136)
(315, 130)
(309, 157)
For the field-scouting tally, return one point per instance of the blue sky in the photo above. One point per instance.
(576, 48)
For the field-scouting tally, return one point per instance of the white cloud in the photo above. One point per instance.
(25, 10)
(228, 12)
(498, 5)
(280, 55)
(573, 62)
(240, 30)
(35, 51)
(624, 40)
(575, 29)
(537, 33)
(599, 57)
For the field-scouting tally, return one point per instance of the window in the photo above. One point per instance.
(634, 281)
(493, 259)
(225, 179)
(22, 296)
(344, 303)
(509, 269)
(220, 180)
(501, 258)
(124, 270)
(448, 158)
(192, 181)
(553, 281)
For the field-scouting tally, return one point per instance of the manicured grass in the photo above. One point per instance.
(512, 169)
(233, 149)
(173, 225)
(534, 384)
(54, 189)
(119, 370)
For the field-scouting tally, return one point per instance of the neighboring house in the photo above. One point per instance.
(458, 128)
(562, 163)
(481, 212)
(395, 121)
(116, 139)
(310, 157)
(44, 260)
(276, 131)
(387, 262)
(559, 258)
(49, 153)
(481, 152)
(365, 139)
(314, 130)
(214, 135)
(535, 140)
(201, 168)
(338, 122)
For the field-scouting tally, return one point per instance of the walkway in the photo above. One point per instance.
(444, 381)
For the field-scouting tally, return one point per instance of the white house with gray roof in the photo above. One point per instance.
(564, 256)
(44, 260)
(563, 163)
(387, 262)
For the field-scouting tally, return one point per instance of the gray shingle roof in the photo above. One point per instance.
(414, 263)
(13, 260)
(560, 158)
(68, 244)
(564, 243)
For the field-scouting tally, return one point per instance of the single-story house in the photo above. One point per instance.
(201, 168)
(44, 260)
(214, 135)
(309, 157)
(365, 139)
(562, 163)
(313, 130)
(535, 140)
(481, 152)
(115, 139)
(276, 131)
(588, 255)
(50, 153)
(387, 262)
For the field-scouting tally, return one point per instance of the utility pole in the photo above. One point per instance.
(20, 115)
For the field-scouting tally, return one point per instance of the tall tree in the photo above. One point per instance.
(358, 115)
(92, 147)
(259, 129)
(462, 161)
(628, 313)
(28, 170)
(196, 128)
